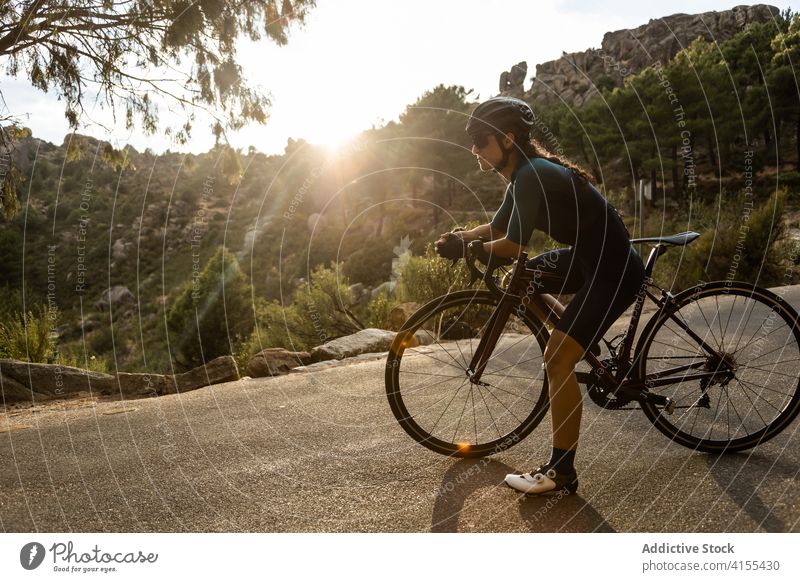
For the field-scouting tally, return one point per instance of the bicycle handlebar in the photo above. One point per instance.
(485, 276)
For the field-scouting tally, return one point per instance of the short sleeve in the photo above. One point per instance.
(527, 196)
(503, 214)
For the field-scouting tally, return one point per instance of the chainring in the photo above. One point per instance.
(603, 397)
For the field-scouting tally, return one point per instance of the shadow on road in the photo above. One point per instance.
(553, 513)
(742, 475)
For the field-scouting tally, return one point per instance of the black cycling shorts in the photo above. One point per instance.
(603, 271)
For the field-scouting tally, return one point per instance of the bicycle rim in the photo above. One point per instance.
(755, 391)
(431, 395)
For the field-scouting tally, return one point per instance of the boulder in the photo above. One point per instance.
(400, 314)
(119, 250)
(13, 391)
(54, 379)
(275, 362)
(116, 295)
(141, 384)
(218, 370)
(364, 341)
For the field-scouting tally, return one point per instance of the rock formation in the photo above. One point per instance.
(574, 78)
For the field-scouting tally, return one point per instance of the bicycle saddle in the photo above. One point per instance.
(681, 239)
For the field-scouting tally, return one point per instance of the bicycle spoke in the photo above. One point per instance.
(504, 406)
(741, 420)
(417, 387)
(672, 346)
(448, 405)
(511, 376)
(458, 367)
(716, 416)
(710, 327)
(730, 314)
(728, 414)
(749, 342)
(736, 348)
(680, 335)
(757, 393)
(489, 410)
(497, 355)
(496, 372)
(768, 353)
(753, 404)
(770, 372)
(507, 401)
(455, 432)
(430, 374)
(509, 392)
(719, 319)
(474, 416)
(463, 358)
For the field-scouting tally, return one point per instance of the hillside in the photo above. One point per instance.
(115, 243)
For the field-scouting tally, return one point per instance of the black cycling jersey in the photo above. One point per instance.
(546, 196)
(601, 268)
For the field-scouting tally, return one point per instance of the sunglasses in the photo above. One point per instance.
(480, 140)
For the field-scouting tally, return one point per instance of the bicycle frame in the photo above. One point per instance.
(520, 294)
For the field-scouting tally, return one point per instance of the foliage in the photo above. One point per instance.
(130, 51)
(320, 311)
(75, 360)
(29, 336)
(378, 310)
(742, 240)
(428, 276)
(211, 313)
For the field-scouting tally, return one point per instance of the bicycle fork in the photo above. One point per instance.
(494, 327)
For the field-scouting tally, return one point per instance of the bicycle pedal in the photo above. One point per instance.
(669, 408)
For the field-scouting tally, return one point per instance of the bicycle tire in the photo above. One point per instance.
(521, 385)
(765, 326)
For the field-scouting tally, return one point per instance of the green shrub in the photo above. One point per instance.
(29, 336)
(211, 313)
(378, 310)
(428, 276)
(92, 363)
(740, 240)
(320, 311)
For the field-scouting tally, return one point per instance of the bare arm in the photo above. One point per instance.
(504, 248)
(482, 231)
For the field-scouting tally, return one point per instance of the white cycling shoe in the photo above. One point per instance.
(543, 480)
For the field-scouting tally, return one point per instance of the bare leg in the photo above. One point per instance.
(550, 304)
(561, 355)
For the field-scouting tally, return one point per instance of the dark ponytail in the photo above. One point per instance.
(533, 149)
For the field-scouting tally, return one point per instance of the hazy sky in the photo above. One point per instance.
(357, 63)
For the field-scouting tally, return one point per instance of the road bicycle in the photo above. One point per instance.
(716, 368)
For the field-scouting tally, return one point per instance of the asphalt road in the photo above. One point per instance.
(320, 451)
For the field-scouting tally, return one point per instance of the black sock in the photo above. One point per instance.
(562, 461)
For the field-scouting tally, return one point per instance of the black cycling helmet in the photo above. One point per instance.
(498, 116)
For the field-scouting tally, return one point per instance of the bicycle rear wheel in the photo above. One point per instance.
(755, 390)
(431, 394)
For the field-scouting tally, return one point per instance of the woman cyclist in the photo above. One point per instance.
(601, 268)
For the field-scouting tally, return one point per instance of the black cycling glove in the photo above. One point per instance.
(454, 247)
(492, 261)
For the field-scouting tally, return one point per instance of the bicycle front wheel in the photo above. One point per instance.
(753, 392)
(428, 382)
